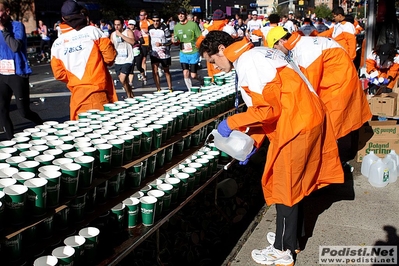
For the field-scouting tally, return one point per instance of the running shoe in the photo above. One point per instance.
(139, 77)
(270, 255)
(271, 237)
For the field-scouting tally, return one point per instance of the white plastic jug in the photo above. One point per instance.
(379, 174)
(238, 145)
(392, 166)
(367, 161)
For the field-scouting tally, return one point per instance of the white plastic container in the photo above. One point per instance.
(367, 161)
(379, 174)
(238, 145)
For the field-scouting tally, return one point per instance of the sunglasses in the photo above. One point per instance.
(142, 15)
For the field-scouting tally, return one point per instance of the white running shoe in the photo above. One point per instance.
(270, 255)
(139, 77)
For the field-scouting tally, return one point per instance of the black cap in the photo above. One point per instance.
(70, 8)
(181, 10)
(155, 15)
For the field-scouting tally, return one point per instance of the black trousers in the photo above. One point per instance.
(287, 227)
(19, 86)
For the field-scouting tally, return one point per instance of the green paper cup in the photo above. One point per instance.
(114, 185)
(132, 210)
(133, 175)
(69, 179)
(187, 142)
(61, 161)
(146, 139)
(147, 208)
(160, 158)
(212, 162)
(118, 215)
(216, 155)
(145, 189)
(46, 261)
(151, 163)
(13, 248)
(77, 242)
(5, 156)
(167, 198)
(9, 150)
(196, 138)
(136, 142)
(127, 148)
(37, 195)
(91, 235)
(29, 166)
(15, 160)
(86, 170)
(73, 154)
(53, 178)
(144, 169)
(202, 166)
(179, 147)
(54, 142)
(8, 172)
(164, 125)
(154, 184)
(6, 182)
(49, 168)
(194, 179)
(65, 255)
(168, 154)
(184, 178)
(207, 81)
(159, 194)
(15, 199)
(77, 208)
(175, 182)
(157, 136)
(102, 192)
(21, 147)
(44, 159)
(7, 143)
(30, 155)
(117, 152)
(22, 177)
(104, 152)
(57, 153)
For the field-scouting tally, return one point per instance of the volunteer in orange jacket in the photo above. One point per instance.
(334, 77)
(80, 57)
(218, 23)
(383, 65)
(343, 32)
(302, 155)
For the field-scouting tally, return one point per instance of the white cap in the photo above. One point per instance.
(254, 12)
(131, 22)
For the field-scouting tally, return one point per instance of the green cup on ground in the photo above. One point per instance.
(167, 198)
(64, 254)
(133, 175)
(195, 89)
(77, 242)
(37, 195)
(69, 179)
(91, 235)
(175, 182)
(104, 152)
(29, 166)
(148, 208)
(15, 199)
(132, 211)
(159, 194)
(86, 170)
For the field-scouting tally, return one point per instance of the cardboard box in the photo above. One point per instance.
(384, 104)
(379, 136)
(380, 147)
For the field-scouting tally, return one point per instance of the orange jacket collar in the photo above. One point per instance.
(233, 51)
(65, 27)
(292, 41)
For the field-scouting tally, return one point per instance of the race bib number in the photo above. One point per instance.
(122, 52)
(7, 67)
(187, 47)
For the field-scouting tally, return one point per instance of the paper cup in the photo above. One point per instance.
(86, 170)
(53, 178)
(37, 195)
(175, 182)
(29, 166)
(46, 261)
(90, 246)
(159, 194)
(44, 159)
(57, 153)
(61, 161)
(146, 139)
(77, 207)
(77, 242)
(147, 208)
(133, 175)
(184, 178)
(15, 160)
(118, 215)
(4, 156)
(69, 179)
(104, 152)
(8, 172)
(167, 198)
(5, 182)
(64, 254)
(15, 198)
(132, 210)
(117, 152)
(22, 177)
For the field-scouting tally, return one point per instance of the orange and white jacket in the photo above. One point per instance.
(303, 154)
(80, 59)
(216, 25)
(334, 77)
(344, 34)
